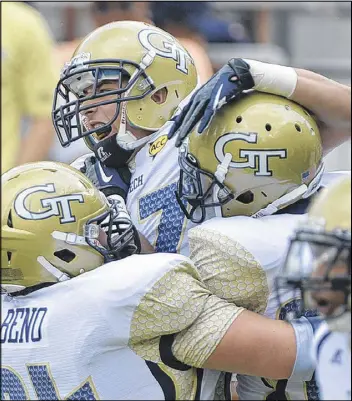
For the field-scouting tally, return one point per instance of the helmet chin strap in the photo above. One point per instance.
(303, 191)
(124, 137)
(220, 175)
(59, 275)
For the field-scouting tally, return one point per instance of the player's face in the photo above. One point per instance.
(95, 117)
(328, 301)
(103, 238)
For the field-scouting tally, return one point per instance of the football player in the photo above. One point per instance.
(125, 81)
(124, 84)
(318, 268)
(248, 178)
(81, 320)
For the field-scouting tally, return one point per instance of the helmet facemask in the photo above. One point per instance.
(122, 238)
(70, 99)
(199, 188)
(312, 270)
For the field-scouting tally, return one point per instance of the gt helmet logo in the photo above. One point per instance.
(57, 206)
(257, 159)
(165, 46)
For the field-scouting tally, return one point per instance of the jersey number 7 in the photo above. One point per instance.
(170, 228)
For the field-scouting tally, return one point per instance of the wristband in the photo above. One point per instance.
(304, 364)
(273, 78)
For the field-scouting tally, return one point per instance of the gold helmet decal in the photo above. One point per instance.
(165, 45)
(256, 159)
(54, 206)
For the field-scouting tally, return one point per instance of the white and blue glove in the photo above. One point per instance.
(236, 76)
(229, 82)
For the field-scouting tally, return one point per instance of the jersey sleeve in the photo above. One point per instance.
(171, 305)
(194, 345)
(228, 269)
(38, 71)
(179, 321)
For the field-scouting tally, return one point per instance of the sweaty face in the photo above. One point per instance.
(329, 301)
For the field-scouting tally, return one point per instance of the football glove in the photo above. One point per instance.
(230, 81)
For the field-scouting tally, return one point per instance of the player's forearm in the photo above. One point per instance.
(256, 346)
(329, 100)
(230, 338)
(37, 142)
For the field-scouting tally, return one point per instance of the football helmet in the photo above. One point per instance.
(142, 59)
(260, 154)
(56, 225)
(318, 261)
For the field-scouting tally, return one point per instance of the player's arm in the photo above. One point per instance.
(179, 321)
(256, 344)
(37, 79)
(226, 337)
(327, 99)
(227, 267)
(330, 102)
(233, 274)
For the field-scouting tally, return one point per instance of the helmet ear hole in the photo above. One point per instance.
(65, 255)
(246, 198)
(160, 96)
(9, 220)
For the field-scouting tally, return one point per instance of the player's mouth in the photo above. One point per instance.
(102, 130)
(327, 302)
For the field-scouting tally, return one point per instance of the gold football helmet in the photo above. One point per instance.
(142, 59)
(260, 154)
(56, 225)
(318, 262)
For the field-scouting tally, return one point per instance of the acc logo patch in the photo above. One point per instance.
(157, 145)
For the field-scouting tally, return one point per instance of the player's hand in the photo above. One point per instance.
(231, 80)
(108, 180)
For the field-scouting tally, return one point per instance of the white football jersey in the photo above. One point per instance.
(239, 259)
(151, 199)
(85, 338)
(332, 352)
